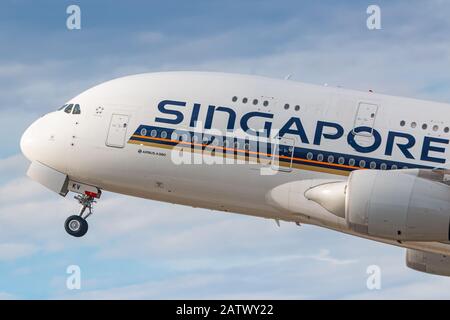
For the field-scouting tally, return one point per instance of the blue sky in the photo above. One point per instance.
(143, 249)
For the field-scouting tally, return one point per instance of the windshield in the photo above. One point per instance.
(68, 109)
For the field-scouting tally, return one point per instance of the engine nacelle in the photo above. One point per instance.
(398, 206)
(428, 262)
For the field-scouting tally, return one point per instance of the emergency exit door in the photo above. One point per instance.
(117, 131)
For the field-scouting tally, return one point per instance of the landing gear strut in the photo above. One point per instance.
(77, 225)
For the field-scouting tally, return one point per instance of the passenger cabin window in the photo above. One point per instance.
(68, 109)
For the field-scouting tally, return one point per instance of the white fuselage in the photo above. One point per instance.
(123, 141)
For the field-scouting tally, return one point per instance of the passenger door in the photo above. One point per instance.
(118, 129)
(283, 154)
(365, 117)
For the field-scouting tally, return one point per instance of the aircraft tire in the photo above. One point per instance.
(76, 226)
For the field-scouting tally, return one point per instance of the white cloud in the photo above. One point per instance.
(13, 167)
(173, 288)
(21, 189)
(13, 251)
(12, 69)
(427, 287)
(7, 296)
(149, 37)
(324, 255)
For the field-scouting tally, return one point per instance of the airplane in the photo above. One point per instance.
(362, 163)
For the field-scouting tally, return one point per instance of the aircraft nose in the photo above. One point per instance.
(44, 142)
(27, 142)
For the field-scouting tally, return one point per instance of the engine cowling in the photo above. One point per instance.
(398, 206)
(428, 262)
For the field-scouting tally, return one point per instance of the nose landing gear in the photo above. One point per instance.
(77, 225)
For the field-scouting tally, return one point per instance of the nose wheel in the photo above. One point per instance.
(77, 225)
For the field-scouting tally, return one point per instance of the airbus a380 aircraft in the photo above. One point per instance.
(361, 163)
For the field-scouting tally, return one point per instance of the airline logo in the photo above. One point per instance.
(432, 149)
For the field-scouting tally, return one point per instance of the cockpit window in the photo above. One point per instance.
(76, 109)
(59, 109)
(68, 109)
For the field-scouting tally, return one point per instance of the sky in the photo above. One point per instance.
(142, 249)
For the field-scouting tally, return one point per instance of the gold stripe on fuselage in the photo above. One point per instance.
(250, 159)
